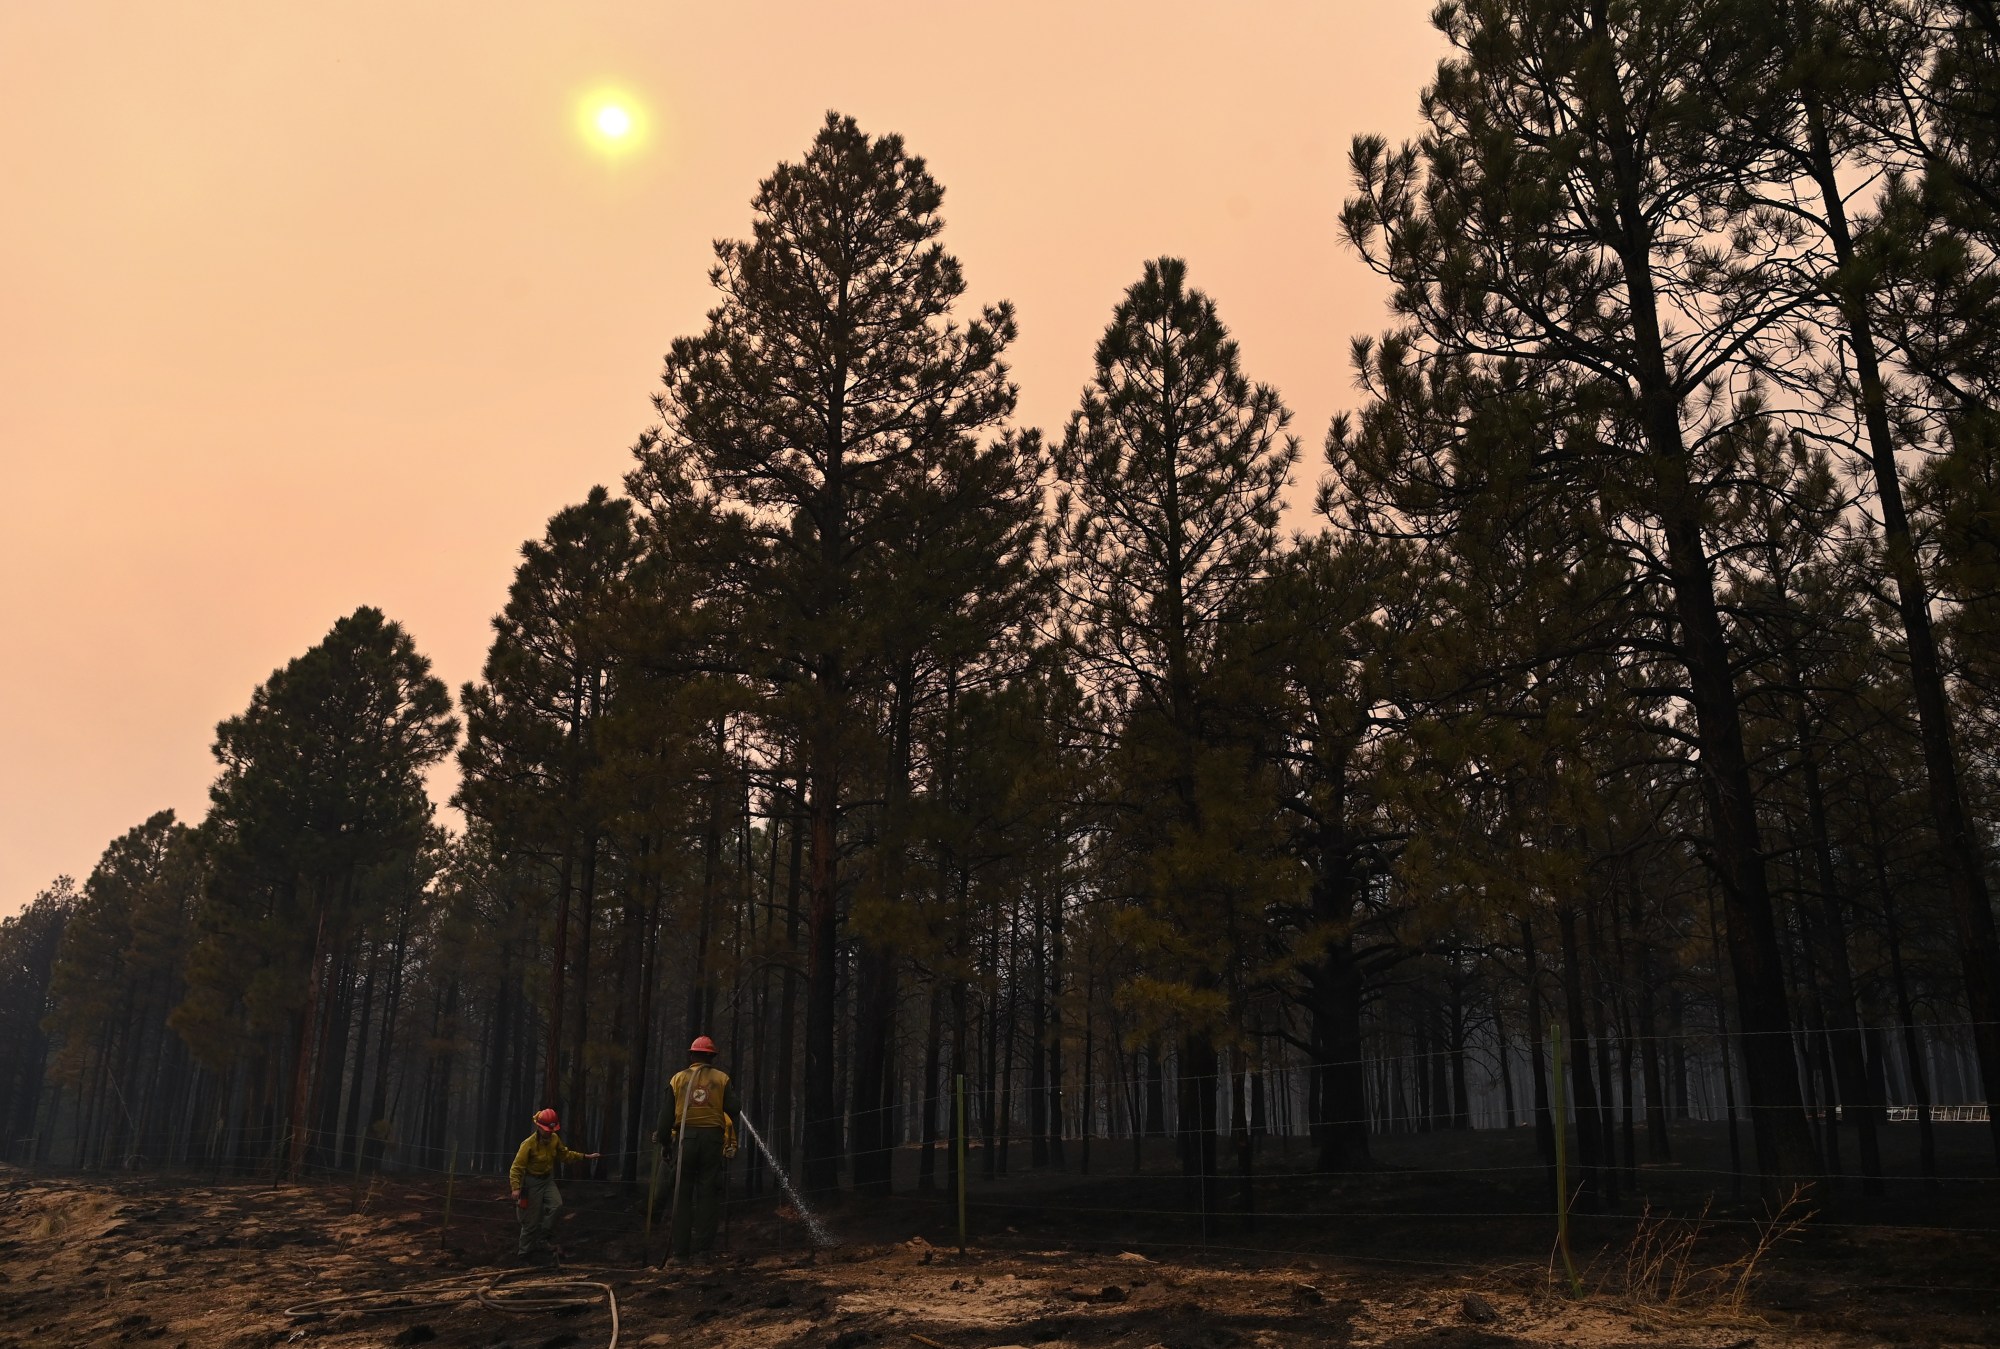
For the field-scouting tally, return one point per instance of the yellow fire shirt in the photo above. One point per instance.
(699, 1097)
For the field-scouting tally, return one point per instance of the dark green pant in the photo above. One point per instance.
(699, 1208)
(538, 1219)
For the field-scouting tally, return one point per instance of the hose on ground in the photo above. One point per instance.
(497, 1292)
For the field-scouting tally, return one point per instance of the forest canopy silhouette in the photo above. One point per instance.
(1633, 676)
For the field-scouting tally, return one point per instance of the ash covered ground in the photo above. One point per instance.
(192, 1262)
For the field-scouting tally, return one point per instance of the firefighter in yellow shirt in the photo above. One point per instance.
(698, 1120)
(533, 1180)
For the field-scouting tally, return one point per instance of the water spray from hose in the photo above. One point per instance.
(821, 1237)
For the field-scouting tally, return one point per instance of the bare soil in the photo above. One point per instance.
(151, 1260)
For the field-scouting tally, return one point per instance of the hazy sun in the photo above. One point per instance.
(611, 121)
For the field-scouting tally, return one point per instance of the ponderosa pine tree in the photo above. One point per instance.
(1499, 694)
(28, 944)
(531, 736)
(1828, 106)
(1795, 589)
(1171, 474)
(1333, 622)
(964, 572)
(1940, 251)
(830, 372)
(321, 789)
(116, 978)
(1937, 248)
(1939, 243)
(672, 779)
(1561, 211)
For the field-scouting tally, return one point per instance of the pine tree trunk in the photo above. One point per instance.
(822, 1099)
(877, 993)
(558, 962)
(783, 1131)
(1198, 1084)
(874, 1034)
(1583, 1092)
(378, 1113)
(331, 1071)
(701, 987)
(1545, 1127)
(1657, 1147)
(641, 1138)
(350, 1134)
(1239, 1138)
(961, 1069)
(1607, 1114)
(1784, 1147)
(1339, 1123)
(576, 1100)
(620, 1084)
(500, 1054)
(1728, 1064)
(1086, 1103)
(933, 1054)
(1912, 1047)
(1009, 1042)
(1156, 1093)
(305, 1039)
(1461, 1093)
(1508, 1115)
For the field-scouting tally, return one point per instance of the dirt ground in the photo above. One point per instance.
(131, 1260)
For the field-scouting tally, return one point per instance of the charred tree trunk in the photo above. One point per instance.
(782, 1124)
(1589, 1128)
(822, 1099)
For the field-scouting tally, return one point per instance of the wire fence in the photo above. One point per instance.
(989, 1175)
(249, 1150)
(433, 1180)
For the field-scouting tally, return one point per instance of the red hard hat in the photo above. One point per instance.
(546, 1121)
(702, 1045)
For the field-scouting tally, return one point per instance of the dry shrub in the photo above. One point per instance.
(1663, 1265)
(1660, 1266)
(1785, 1223)
(375, 1184)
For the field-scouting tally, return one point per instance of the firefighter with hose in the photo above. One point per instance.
(533, 1180)
(699, 1133)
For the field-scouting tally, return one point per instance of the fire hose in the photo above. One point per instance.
(493, 1291)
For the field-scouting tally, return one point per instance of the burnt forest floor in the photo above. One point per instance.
(1442, 1242)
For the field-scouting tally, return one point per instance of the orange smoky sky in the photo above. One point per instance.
(304, 307)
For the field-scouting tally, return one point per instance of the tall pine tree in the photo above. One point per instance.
(831, 372)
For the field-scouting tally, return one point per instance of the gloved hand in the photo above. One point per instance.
(728, 1138)
(520, 1200)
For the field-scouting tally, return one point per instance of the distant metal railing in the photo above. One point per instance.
(1978, 1113)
